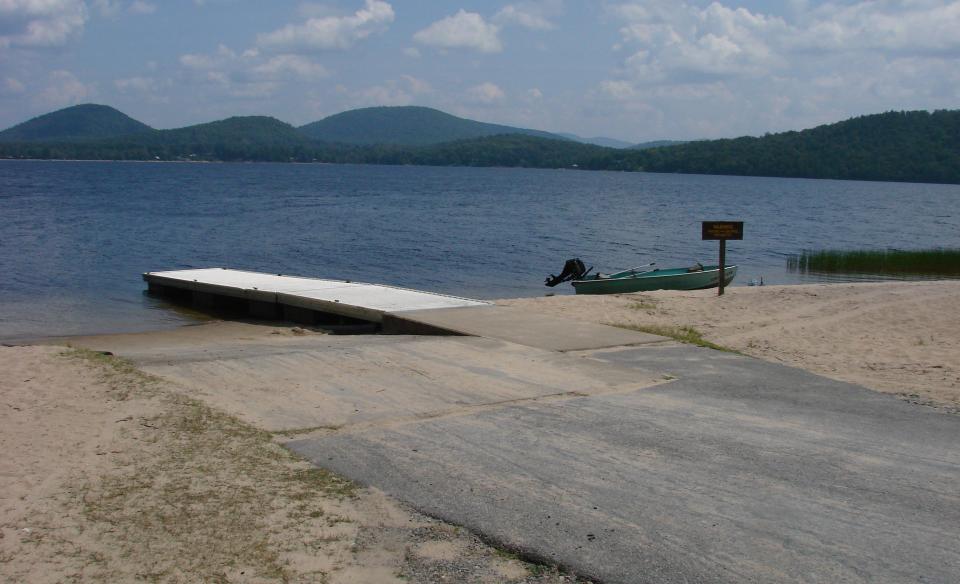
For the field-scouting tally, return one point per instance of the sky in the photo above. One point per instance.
(631, 70)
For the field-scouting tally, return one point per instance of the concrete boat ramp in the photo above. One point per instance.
(651, 463)
(394, 310)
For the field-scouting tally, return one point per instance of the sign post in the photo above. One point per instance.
(722, 230)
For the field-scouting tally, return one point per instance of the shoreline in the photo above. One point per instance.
(895, 337)
(544, 168)
(115, 471)
(540, 302)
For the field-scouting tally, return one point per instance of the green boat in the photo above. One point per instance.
(640, 279)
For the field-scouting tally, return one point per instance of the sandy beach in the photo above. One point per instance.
(110, 474)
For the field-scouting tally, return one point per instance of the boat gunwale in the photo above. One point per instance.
(652, 274)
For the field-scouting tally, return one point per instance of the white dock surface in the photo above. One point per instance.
(356, 299)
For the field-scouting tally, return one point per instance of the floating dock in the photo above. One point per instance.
(387, 309)
(294, 298)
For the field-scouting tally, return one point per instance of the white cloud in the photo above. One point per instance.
(40, 23)
(463, 30)
(469, 30)
(906, 26)
(417, 86)
(748, 71)
(221, 57)
(143, 88)
(403, 91)
(675, 41)
(113, 8)
(250, 74)
(486, 93)
(618, 89)
(532, 15)
(330, 32)
(63, 89)
(679, 42)
(10, 86)
(108, 8)
(412, 52)
(141, 7)
(290, 67)
(137, 85)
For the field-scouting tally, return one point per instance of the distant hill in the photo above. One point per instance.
(236, 138)
(80, 122)
(239, 131)
(657, 144)
(599, 141)
(914, 146)
(404, 125)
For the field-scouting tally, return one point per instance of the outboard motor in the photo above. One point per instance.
(573, 269)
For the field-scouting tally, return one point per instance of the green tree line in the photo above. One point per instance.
(914, 146)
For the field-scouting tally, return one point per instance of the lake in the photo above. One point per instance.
(75, 236)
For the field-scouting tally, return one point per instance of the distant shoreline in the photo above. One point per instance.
(387, 165)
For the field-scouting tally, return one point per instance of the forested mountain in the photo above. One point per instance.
(916, 146)
(237, 138)
(234, 139)
(404, 125)
(598, 141)
(80, 122)
(657, 144)
(241, 130)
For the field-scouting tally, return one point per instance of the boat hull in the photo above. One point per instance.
(675, 279)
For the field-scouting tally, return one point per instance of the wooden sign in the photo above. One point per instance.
(722, 230)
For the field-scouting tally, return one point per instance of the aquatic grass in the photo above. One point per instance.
(925, 262)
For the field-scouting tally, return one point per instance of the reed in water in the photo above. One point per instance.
(926, 262)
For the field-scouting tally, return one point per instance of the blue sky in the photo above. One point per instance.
(633, 70)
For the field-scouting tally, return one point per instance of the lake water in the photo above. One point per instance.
(75, 236)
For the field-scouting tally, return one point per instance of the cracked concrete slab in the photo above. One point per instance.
(738, 471)
(521, 327)
(297, 383)
(660, 463)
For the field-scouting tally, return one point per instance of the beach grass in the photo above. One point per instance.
(683, 334)
(924, 262)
